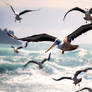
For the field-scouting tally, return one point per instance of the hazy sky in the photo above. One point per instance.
(48, 20)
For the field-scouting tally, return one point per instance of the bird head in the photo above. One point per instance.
(56, 42)
(86, 9)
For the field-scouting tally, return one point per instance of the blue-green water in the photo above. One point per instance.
(15, 78)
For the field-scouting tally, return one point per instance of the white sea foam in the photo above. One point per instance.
(31, 79)
(82, 52)
(42, 81)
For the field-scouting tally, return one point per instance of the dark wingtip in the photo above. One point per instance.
(25, 65)
(49, 56)
(63, 18)
(77, 91)
(54, 79)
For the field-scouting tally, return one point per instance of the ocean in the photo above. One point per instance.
(14, 77)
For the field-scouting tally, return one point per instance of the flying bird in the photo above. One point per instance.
(18, 14)
(75, 79)
(39, 63)
(64, 44)
(85, 88)
(16, 49)
(87, 13)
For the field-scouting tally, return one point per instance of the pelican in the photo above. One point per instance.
(18, 14)
(87, 13)
(85, 88)
(63, 45)
(20, 47)
(75, 79)
(39, 63)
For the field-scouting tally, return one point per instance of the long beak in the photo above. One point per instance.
(50, 47)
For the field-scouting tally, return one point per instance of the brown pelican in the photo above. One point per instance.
(64, 45)
(87, 13)
(39, 63)
(20, 47)
(85, 88)
(75, 79)
(17, 15)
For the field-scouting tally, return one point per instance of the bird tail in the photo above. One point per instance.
(12, 36)
(72, 47)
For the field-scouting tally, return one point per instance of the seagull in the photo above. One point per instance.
(18, 14)
(39, 63)
(87, 13)
(63, 45)
(20, 47)
(85, 88)
(75, 79)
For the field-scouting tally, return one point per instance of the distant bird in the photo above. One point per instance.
(87, 13)
(75, 79)
(64, 45)
(85, 88)
(17, 48)
(39, 63)
(17, 15)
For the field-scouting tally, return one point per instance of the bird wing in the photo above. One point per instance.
(20, 47)
(85, 88)
(26, 44)
(62, 78)
(25, 11)
(46, 59)
(49, 56)
(36, 38)
(30, 62)
(76, 8)
(77, 73)
(82, 29)
(12, 47)
(83, 70)
(11, 35)
(90, 10)
(12, 9)
(23, 46)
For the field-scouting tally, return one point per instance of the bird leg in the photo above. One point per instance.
(15, 20)
(79, 85)
(62, 51)
(19, 21)
(86, 21)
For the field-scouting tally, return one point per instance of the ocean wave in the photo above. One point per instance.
(31, 79)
